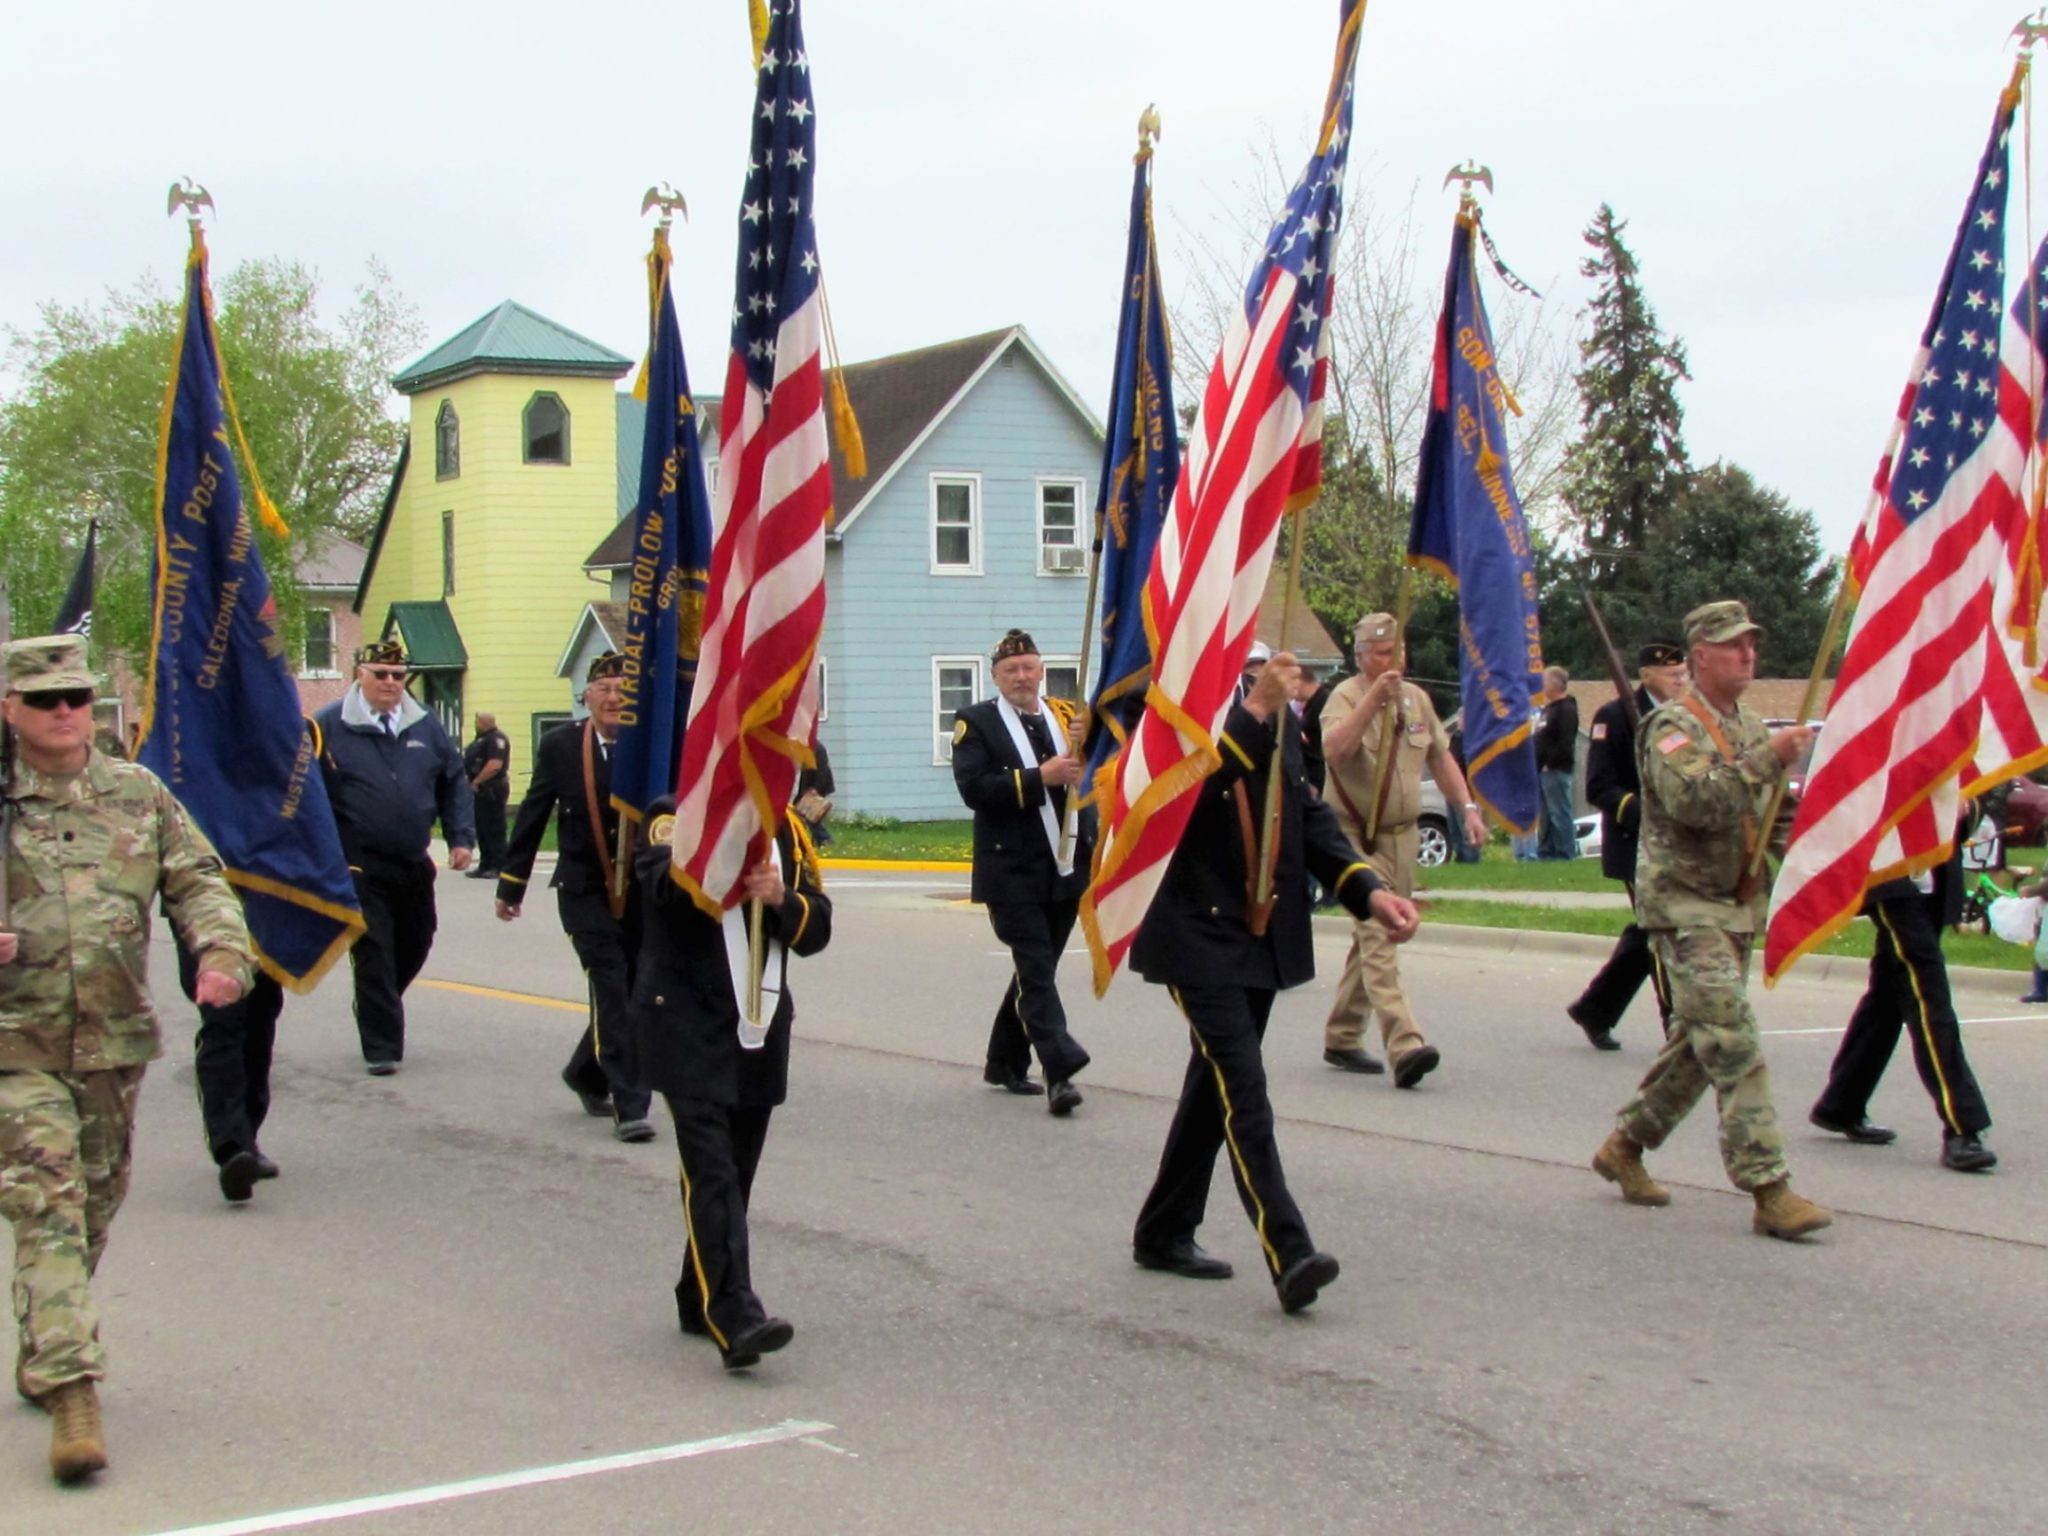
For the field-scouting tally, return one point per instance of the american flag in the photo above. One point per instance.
(756, 698)
(1931, 685)
(1254, 454)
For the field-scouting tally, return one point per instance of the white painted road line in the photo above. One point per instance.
(293, 1519)
(1836, 1029)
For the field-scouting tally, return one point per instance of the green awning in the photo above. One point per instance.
(427, 630)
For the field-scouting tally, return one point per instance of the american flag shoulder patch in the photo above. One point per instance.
(1599, 732)
(1673, 742)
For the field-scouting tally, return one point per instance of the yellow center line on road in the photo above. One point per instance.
(469, 989)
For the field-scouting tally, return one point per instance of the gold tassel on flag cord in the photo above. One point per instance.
(844, 427)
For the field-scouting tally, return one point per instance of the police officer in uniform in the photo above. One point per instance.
(1223, 965)
(721, 1073)
(1354, 726)
(391, 771)
(1613, 785)
(91, 841)
(487, 763)
(1708, 766)
(572, 782)
(1015, 762)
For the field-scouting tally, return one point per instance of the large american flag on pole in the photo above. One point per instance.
(756, 698)
(1936, 679)
(1254, 454)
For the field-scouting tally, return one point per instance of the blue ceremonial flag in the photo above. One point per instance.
(1468, 528)
(1140, 463)
(221, 722)
(670, 552)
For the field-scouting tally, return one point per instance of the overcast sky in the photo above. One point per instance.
(1791, 171)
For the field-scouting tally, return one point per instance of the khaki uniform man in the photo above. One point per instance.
(93, 843)
(1354, 727)
(1708, 766)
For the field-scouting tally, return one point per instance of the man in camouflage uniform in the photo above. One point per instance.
(1708, 766)
(1354, 728)
(91, 844)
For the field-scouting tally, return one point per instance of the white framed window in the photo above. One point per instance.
(1062, 678)
(1062, 551)
(319, 659)
(956, 525)
(956, 683)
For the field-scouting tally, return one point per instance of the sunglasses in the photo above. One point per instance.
(50, 698)
(387, 674)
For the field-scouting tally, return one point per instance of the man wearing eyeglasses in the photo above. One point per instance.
(391, 772)
(92, 842)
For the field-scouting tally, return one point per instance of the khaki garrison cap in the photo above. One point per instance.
(1375, 627)
(46, 662)
(1716, 623)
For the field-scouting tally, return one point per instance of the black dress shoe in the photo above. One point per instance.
(750, 1344)
(1355, 1060)
(381, 1068)
(1062, 1098)
(1187, 1258)
(1303, 1280)
(1601, 1035)
(238, 1176)
(265, 1168)
(1016, 1083)
(1967, 1154)
(1415, 1066)
(597, 1105)
(1860, 1129)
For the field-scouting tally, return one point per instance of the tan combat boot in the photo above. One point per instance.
(1620, 1161)
(1780, 1213)
(78, 1445)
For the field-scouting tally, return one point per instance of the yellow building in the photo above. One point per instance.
(511, 472)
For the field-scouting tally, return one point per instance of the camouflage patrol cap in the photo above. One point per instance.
(1375, 627)
(609, 664)
(1717, 623)
(46, 662)
(381, 653)
(1661, 653)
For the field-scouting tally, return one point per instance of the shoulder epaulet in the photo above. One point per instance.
(806, 850)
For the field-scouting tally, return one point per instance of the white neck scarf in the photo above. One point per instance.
(1027, 756)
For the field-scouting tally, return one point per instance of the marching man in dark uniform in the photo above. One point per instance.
(1223, 969)
(1015, 761)
(721, 1074)
(1613, 785)
(572, 782)
(391, 772)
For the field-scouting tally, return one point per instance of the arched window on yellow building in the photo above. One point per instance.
(546, 424)
(447, 442)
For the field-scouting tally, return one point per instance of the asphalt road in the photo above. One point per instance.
(460, 1278)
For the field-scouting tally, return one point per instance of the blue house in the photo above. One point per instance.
(976, 516)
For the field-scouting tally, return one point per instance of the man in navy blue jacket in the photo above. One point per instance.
(391, 772)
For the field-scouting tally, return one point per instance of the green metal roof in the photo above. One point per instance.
(511, 339)
(432, 642)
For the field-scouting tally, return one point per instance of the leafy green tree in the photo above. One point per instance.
(1628, 467)
(78, 435)
(1731, 537)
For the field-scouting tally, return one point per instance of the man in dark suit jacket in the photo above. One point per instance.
(572, 782)
(1613, 785)
(722, 1077)
(1015, 761)
(1198, 939)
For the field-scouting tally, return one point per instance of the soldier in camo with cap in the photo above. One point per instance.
(91, 844)
(1708, 767)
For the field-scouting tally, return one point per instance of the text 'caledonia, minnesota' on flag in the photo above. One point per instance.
(1468, 528)
(1254, 454)
(220, 715)
(756, 700)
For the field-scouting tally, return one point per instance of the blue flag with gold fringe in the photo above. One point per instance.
(670, 554)
(1468, 528)
(221, 720)
(1140, 463)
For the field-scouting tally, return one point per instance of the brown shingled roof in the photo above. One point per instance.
(894, 399)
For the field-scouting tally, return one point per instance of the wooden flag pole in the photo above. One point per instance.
(755, 957)
(1269, 827)
(1837, 616)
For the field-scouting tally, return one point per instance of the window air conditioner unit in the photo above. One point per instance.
(1065, 557)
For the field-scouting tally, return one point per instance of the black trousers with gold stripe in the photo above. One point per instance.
(719, 1146)
(1908, 989)
(1615, 984)
(1223, 1105)
(1030, 1014)
(609, 949)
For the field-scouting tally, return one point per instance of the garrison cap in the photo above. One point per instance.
(1258, 655)
(381, 653)
(1375, 627)
(1661, 653)
(606, 664)
(1015, 643)
(46, 662)
(1716, 623)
